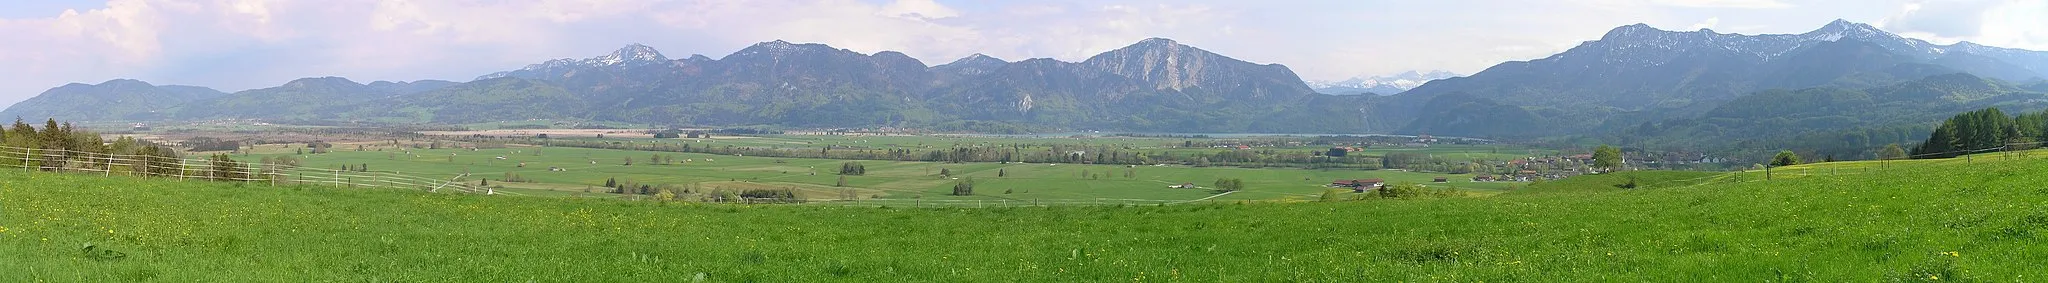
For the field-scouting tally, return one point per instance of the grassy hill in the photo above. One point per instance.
(1975, 219)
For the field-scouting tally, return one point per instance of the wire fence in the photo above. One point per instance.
(282, 174)
(995, 203)
(1883, 168)
(153, 166)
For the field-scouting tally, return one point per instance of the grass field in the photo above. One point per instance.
(1158, 146)
(1975, 220)
(817, 178)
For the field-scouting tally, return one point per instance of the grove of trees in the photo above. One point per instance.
(1985, 129)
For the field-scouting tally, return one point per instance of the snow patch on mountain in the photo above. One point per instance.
(631, 55)
(1382, 85)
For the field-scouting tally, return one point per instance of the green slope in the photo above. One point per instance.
(1977, 218)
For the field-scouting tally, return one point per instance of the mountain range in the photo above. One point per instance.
(1153, 85)
(1380, 85)
(1634, 82)
(1637, 73)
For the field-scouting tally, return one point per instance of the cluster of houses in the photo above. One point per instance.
(1359, 185)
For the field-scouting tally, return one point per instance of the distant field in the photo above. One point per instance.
(816, 178)
(1979, 219)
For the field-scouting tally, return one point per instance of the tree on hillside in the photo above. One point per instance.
(1785, 158)
(853, 168)
(1891, 152)
(1979, 130)
(964, 187)
(1606, 157)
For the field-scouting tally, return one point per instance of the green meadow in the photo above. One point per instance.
(1980, 219)
(583, 172)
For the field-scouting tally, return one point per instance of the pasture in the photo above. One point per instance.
(564, 171)
(1917, 221)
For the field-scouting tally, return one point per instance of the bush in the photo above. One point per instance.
(1411, 191)
(770, 196)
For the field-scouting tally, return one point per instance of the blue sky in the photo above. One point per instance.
(235, 45)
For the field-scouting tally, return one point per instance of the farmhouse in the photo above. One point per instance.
(1183, 186)
(1441, 179)
(1482, 178)
(1359, 185)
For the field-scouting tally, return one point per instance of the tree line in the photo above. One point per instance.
(63, 147)
(1984, 129)
(1031, 153)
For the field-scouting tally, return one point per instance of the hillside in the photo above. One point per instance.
(1637, 73)
(1952, 219)
(120, 99)
(1847, 123)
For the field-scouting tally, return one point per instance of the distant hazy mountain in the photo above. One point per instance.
(121, 99)
(1643, 73)
(1153, 85)
(1381, 85)
(1631, 77)
(405, 88)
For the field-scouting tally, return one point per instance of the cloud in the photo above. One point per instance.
(1708, 24)
(919, 9)
(1735, 4)
(2005, 23)
(1964, 18)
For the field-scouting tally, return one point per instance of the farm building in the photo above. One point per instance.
(1361, 185)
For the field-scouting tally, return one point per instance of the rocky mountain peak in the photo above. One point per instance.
(977, 60)
(778, 48)
(632, 53)
(1631, 31)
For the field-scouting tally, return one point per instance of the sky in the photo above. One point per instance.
(235, 45)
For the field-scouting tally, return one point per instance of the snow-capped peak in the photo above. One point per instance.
(631, 53)
(1383, 84)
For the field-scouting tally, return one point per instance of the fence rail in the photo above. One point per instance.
(58, 160)
(199, 168)
(994, 203)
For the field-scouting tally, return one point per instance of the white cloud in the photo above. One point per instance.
(1708, 24)
(1736, 4)
(2006, 23)
(918, 9)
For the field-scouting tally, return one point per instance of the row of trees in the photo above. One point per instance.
(62, 147)
(1022, 152)
(1984, 129)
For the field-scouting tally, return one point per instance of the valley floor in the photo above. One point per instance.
(1981, 219)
